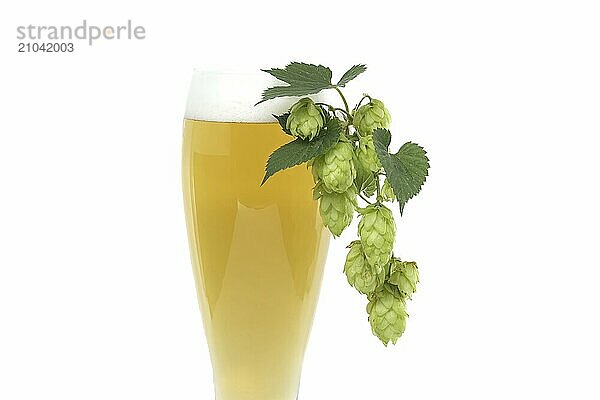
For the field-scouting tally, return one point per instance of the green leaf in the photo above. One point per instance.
(296, 72)
(351, 74)
(303, 79)
(406, 170)
(300, 151)
(282, 119)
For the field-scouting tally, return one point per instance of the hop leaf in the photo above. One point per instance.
(352, 73)
(387, 314)
(377, 230)
(405, 275)
(360, 274)
(337, 209)
(305, 119)
(406, 170)
(336, 168)
(302, 79)
(371, 116)
(366, 153)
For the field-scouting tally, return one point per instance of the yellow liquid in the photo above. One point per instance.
(258, 255)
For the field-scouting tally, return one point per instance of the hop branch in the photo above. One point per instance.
(348, 151)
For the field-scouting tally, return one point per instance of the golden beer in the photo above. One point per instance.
(257, 253)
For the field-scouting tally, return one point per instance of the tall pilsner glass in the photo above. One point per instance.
(257, 252)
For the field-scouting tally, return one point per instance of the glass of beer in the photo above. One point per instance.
(257, 251)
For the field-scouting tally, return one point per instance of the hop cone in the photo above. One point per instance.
(337, 210)
(336, 168)
(387, 314)
(366, 153)
(305, 119)
(362, 276)
(377, 230)
(387, 192)
(365, 180)
(371, 116)
(405, 275)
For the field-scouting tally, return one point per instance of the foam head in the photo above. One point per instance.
(231, 96)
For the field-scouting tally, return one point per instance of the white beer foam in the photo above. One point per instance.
(230, 96)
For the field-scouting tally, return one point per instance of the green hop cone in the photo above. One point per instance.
(405, 275)
(337, 209)
(305, 119)
(387, 193)
(387, 313)
(362, 276)
(365, 180)
(366, 153)
(376, 230)
(371, 116)
(336, 168)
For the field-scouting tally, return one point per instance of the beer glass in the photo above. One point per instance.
(257, 252)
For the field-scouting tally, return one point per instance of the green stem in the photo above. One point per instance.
(361, 100)
(344, 111)
(344, 100)
(379, 198)
(364, 198)
(334, 109)
(323, 104)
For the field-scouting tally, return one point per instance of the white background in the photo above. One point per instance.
(96, 292)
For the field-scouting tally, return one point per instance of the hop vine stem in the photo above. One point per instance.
(364, 198)
(333, 110)
(365, 96)
(344, 100)
(344, 111)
